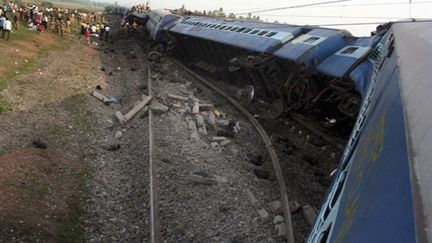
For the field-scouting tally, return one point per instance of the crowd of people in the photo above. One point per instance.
(6, 24)
(96, 30)
(140, 8)
(39, 19)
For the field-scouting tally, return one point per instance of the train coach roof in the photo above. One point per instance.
(161, 12)
(311, 48)
(139, 15)
(414, 48)
(341, 62)
(383, 188)
(142, 17)
(253, 36)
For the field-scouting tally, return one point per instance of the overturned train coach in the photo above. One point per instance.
(316, 72)
(121, 11)
(380, 85)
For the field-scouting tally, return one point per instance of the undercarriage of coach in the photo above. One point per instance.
(286, 88)
(272, 87)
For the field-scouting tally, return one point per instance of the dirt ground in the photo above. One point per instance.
(69, 172)
(42, 189)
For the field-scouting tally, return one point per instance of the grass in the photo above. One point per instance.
(77, 6)
(4, 106)
(81, 117)
(21, 55)
(66, 4)
(70, 227)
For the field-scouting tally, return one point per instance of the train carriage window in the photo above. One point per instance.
(254, 32)
(218, 26)
(271, 34)
(263, 32)
(235, 29)
(247, 31)
(241, 29)
(349, 50)
(225, 27)
(312, 39)
(213, 26)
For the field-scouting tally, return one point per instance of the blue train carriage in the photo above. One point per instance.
(121, 11)
(227, 48)
(382, 190)
(350, 61)
(293, 82)
(158, 20)
(290, 77)
(218, 41)
(139, 18)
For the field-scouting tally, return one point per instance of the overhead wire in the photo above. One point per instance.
(325, 4)
(334, 6)
(294, 6)
(265, 25)
(377, 23)
(335, 16)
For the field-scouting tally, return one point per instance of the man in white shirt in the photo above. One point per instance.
(7, 27)
(107, 29)
(2, 21)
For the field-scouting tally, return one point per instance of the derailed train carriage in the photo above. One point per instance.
(121, 11)
(380, 85)
(277, 66)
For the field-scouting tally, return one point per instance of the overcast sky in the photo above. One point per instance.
(336, 13)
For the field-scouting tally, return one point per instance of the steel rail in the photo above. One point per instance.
(273, 156)
(155, 232)
(154, 197)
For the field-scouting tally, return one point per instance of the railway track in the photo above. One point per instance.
(266, 139)
(155, 232)
(155, 220)
(154, 203)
